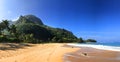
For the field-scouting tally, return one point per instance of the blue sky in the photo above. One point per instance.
(98, 19)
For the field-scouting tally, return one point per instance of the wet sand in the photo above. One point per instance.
(86, 54)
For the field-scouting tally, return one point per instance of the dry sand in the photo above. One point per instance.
(37, 53)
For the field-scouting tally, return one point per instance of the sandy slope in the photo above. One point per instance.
(38, 53)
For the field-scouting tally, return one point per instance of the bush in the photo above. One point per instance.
(3, 39)
(13, 40)
(6, 39)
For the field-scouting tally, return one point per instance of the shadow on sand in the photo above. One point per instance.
(13, 46)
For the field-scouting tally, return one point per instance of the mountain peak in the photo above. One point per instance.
(29, 19)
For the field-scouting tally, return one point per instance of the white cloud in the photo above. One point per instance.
(15, 19)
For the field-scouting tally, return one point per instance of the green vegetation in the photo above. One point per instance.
(91, 40)
(30, 29)
(80, 40)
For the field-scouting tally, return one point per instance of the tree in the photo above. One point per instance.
(6, 22)
(80, 40)
(13, 31)
(4, 25)
(62, 35)
(1, 28)
(28, 38)
(38, 32)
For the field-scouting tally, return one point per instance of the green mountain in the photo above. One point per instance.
(29, 19)
(30, 28)
(30, 24)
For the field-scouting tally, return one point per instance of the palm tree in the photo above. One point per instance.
(13, 28)
(13, 31)
(2, 27)
(6, 22)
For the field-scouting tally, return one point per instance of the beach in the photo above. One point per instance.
(92, 55)
(51, 52)
(58, 52)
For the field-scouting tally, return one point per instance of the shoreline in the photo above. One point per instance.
(101, 47)
(90, 54)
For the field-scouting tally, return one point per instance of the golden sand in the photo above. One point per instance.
(53, 52)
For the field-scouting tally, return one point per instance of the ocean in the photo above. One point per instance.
(113, 46)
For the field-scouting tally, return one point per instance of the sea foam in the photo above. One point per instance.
(103, 47)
